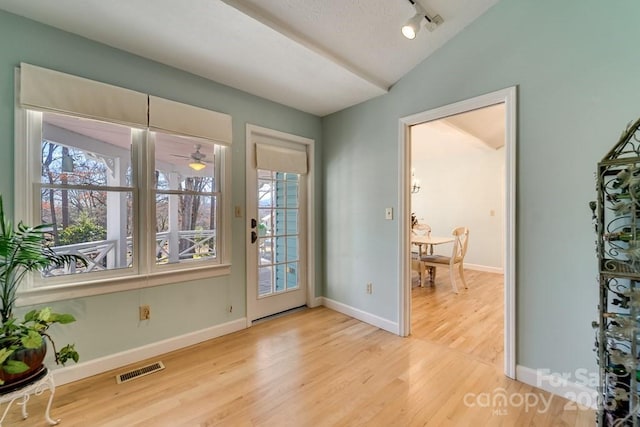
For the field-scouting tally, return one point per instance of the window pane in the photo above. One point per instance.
(280, 249)
(85, 152)
(292, 194)
(265, 224)
(281, 223)
(186, 199)
(281, 278)
(265, 280)
(92, 223)
(89, 221)
(265, 250)
(292, 248)
(265, 193)
(292, 275)
(184, 164)
(185, 227)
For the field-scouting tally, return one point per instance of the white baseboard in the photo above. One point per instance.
(113, 361)
(485, 268)
(356, 313)
(573, 387)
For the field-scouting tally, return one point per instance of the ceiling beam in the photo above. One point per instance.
(284, 29)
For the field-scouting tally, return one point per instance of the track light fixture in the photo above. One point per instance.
(411, 28)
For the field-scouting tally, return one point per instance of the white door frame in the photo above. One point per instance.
(508, 97)
(253, 131)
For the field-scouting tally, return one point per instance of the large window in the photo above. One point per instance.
(139, 200)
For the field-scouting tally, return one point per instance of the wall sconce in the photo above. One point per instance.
(415, 183)
(411, 28)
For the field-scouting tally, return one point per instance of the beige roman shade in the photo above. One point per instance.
(187, 120)
(281, 159)
(48, 90)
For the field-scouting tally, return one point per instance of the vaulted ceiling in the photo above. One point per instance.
(318, 56)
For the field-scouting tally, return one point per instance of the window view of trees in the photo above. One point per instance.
(186, 199)
(87, 194)
(86, 191)
(77, 216)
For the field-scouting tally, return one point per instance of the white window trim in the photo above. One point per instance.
(144, 273)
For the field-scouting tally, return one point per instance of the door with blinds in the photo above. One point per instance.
(277, 168)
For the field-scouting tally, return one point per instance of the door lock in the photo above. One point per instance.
(254, 223)
(254, 236)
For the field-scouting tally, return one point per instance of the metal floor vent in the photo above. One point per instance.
(139, 372)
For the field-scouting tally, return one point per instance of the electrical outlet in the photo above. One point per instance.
(369, 288)
(230, 309)
(145, 312)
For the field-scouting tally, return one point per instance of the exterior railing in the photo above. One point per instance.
(101, 254)
(191, 244)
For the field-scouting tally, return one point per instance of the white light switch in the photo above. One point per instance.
(388, 213)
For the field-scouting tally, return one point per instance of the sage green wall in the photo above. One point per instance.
(576, 65)
(109, 324)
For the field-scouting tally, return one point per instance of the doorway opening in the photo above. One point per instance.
(507, 98)
(457, 167)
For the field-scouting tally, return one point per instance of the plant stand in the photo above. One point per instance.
(42, 381)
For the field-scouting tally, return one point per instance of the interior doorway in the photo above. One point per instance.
(457, 167)
(507, 97)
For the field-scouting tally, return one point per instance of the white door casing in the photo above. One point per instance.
(261, 303)
(508, 97)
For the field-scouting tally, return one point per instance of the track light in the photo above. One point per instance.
(411, 28)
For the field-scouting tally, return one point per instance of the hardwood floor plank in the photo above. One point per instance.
(320, 368)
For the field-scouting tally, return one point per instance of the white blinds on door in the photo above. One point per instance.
(281, 159)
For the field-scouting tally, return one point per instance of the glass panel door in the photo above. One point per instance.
(278, 232)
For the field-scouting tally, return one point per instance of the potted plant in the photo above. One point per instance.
(24, 249)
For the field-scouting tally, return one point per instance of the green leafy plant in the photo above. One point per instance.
(24, 249)
(84, 230)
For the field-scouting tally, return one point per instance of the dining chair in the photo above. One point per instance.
(453, 262)
(419, 229)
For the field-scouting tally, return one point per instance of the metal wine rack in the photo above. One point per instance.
(616, 216)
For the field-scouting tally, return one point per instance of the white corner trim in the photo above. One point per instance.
(113, 361)
(316, 302)
(363, 316)
(561, 385)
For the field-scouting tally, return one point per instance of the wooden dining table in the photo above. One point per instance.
(429, 241)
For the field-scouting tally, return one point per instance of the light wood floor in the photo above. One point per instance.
(470, 322)
(320, 368)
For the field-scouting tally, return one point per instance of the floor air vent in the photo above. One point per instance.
(139, 372)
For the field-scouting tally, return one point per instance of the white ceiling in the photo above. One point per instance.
(460, 135)
(318, 56)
